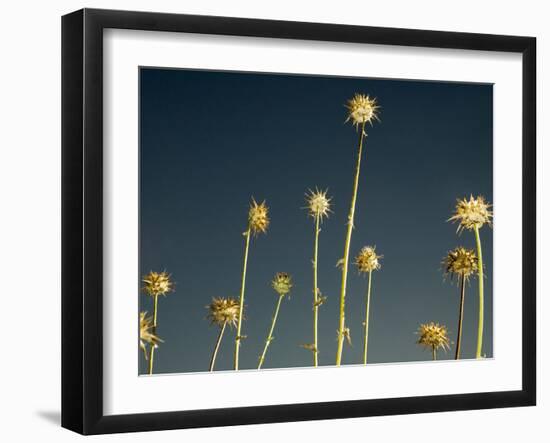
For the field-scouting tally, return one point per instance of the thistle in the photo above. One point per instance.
(258, 222)
(472, 215)
(318, 206)
(222, 312)
(145, 333)
(282, 284)
(433, 336)
(361, 110)
(155, 285)
(462, 263)
(366, 262)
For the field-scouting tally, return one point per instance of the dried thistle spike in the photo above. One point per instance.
(472, 213)
(461, 262)
(282, 283)
(157, 283)
(145, 333)
(362, 109)
(433, 335)
(258, 219)
(367, 260)
(223, 311)
(318, 204)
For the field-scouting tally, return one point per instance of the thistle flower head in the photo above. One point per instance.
(282, 283)
(367, 260)
(258, 220)
(223, 311)
(461, 262)
(157, 283)
(318, 204)
(433, 335)
(362, 109)
(145, 333)
(472, 213)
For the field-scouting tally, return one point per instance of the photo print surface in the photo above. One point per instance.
(291, 221)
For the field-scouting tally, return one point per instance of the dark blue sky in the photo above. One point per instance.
(212, 140)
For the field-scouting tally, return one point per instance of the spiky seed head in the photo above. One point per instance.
(367, 260)
(433, 335)
(145, 333)
(461, 262)
(258, 220)
(362, 109)
(282, 283)
(472, 213)
(223, 311)
(318, 204)
(157, 283)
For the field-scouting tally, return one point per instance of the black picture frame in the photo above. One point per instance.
(82, 219)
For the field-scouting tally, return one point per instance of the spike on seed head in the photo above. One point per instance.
(433, 335)
(367, 260)
(258, 219)
(362, 109)
(460, 262)
(318, 204)
(157, 283)
(223, 311)
(145, 332)
(282, 283)
(471, 214)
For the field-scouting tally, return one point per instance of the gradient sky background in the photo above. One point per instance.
(212, 140)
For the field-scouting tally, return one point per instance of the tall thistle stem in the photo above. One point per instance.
(367, 308)
(342, 322)
(434, 355)
(315, 294)
(241, 300)
(270, 335)
(460, 315)
(217, 347)
(154, 331)
(480, 283)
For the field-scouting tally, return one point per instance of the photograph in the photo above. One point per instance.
(302, 221)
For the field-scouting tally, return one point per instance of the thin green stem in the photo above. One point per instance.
(345, 258)
(315, 293)
(480, 282)
(154, 331)
(460, 316)
(367, 308)
(218, 342)
(241, 300)
(434, 354)
(270, 335)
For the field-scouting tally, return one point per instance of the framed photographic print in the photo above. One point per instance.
(336, 221)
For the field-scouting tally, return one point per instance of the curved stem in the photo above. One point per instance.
(215, 353)
(434, 355)
(460, 316)
(241, 300)
(154, 331)
(480, 282)
(270, 335)
(345, 259)
(315, 293)
(367, 308)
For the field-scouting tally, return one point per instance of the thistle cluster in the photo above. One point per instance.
(318, 204)
(362, 109)
(367, 260)
(157, 283)
(433, 335)
(145, 333)
(258, 220)
(282, 283)
(472, 214)
(223, 311)
(461, 262)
